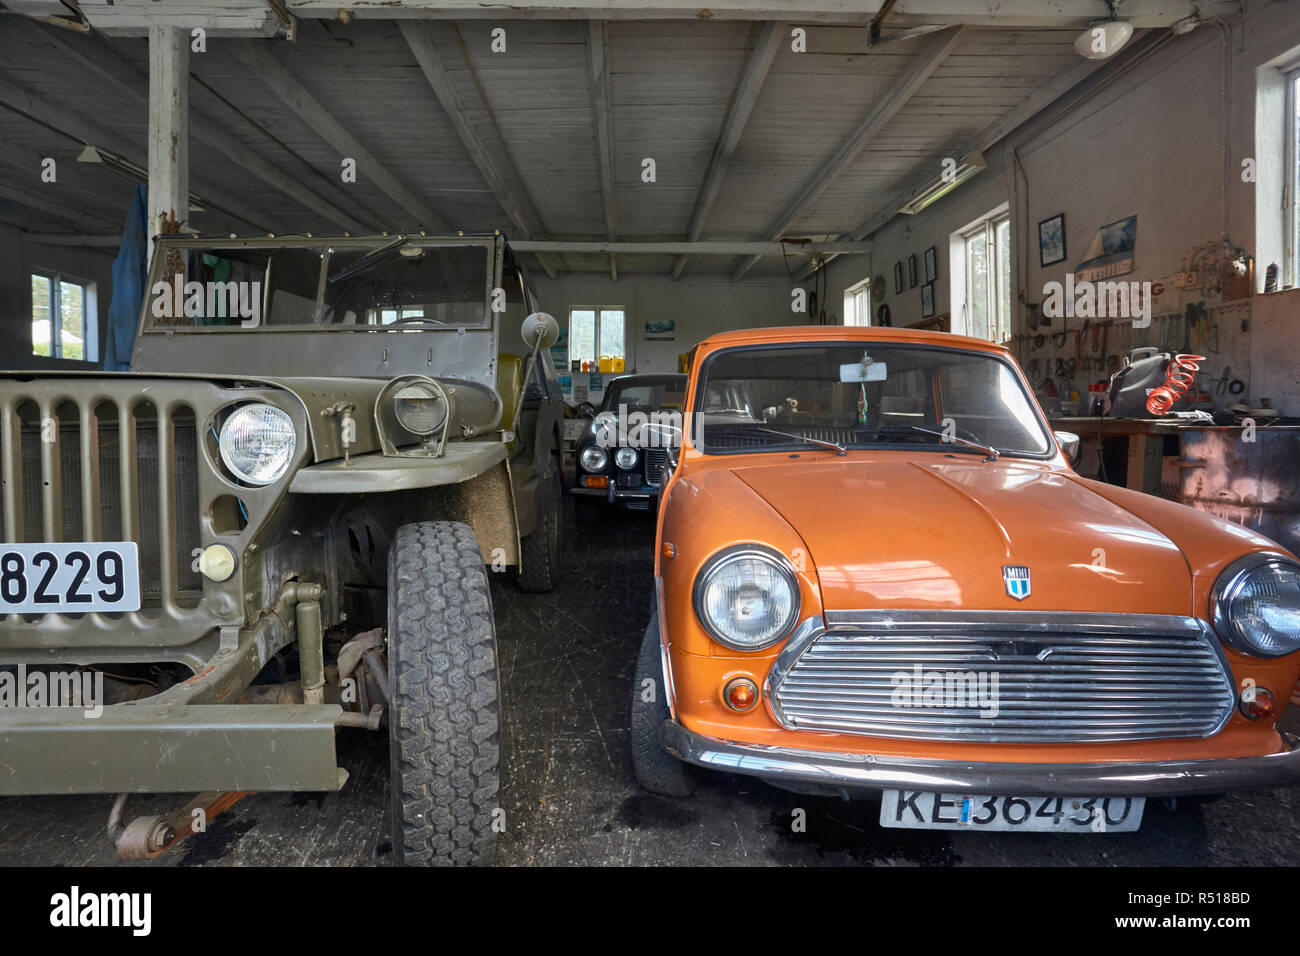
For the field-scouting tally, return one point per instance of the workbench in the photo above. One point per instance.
(1143, 444)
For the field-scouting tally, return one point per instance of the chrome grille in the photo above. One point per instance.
(655, 460)
(1004, 677)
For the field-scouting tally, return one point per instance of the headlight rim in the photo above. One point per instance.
(763, 552)
(636, 458)
(1227, 587)
(241, 479)
(596, 449)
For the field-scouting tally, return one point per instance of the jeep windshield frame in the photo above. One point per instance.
(352, 257)
(896, 434)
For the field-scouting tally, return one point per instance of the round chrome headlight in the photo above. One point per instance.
(1256, 605)
(747, 597)
(625, 458)
(257, 443)
(419, 408)
(593, 458)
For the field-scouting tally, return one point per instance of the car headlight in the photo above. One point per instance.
(1256, 605)
(747, 597)
(593, 458)
(419, 408)
(625, 458)
(257, 443)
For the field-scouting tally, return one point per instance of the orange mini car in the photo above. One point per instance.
(876, 570)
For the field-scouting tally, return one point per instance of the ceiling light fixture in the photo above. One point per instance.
(1103, 38)
(941, 185)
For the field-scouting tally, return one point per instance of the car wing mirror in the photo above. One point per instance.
(1069, 443)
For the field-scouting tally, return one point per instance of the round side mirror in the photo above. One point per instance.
(1069, 443)
(540, 331)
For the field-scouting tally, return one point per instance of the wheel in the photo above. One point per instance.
(541, 549)
(586, 511)
(444, 730)
(656, 769)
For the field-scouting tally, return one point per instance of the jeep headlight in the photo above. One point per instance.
(593, 458)
(419, 408)
(1256, 605)
(747, 597)
(257, 443)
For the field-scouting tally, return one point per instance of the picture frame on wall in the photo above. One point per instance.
(898, 277)
(1051, 240)
(927, 300)
(911, 271)
(931, 264)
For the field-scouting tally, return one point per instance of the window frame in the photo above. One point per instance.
(597, 310)
(1290, 277)
(988, 226)
(89, 316)
(851, 296)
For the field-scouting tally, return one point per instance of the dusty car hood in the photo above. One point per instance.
(936, 532)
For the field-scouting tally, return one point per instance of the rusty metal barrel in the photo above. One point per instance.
(1255, 484)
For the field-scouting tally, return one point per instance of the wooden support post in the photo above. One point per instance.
(169, 78)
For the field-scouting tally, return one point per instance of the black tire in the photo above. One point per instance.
(541, 549)
(656, 769)
(444, 728)
(587, 511)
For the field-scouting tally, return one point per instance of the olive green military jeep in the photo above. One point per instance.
(281, 522)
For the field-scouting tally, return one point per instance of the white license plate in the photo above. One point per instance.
(69, 578)
(917, 810)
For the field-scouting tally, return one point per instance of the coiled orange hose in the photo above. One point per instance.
(1179, 378)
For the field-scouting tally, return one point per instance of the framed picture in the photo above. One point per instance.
(1051, 239)
(927, 300)
(931, 264)
(911, 271)
(898, 277)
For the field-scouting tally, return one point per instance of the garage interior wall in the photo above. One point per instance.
(1145, 143)
(22, 257)
(700, 307)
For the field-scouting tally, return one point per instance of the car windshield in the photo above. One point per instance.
(864, 394)
(666, 392)
(387, 283)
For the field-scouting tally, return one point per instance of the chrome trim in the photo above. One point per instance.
(1226, 589)
(874, 772)
(811, 628)
(754, 550)
(1116, 692)
(663, 649)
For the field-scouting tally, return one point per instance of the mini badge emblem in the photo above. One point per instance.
(1016, 577)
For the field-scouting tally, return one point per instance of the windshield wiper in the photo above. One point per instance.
(990, 452)
(371, 259)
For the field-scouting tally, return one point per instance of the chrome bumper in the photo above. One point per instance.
(871, 772)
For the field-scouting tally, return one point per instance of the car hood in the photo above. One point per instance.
(938, 532)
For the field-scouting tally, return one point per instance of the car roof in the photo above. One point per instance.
(843, 333)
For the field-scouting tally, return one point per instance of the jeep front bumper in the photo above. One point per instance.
(872, 772)
(143, 748)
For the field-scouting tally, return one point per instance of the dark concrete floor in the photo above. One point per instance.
(569, 797)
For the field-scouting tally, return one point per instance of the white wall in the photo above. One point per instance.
(1146, 142)
(700, 307)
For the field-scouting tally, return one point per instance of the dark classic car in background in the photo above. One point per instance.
(620, 461)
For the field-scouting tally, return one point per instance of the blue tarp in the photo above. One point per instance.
(130, 270)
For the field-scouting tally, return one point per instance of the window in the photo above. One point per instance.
(987, 252)
(1291, 185)
(857, 304)
(60, 307)
(596, 333)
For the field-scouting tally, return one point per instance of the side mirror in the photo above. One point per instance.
(540, 331)
(1069, 443)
